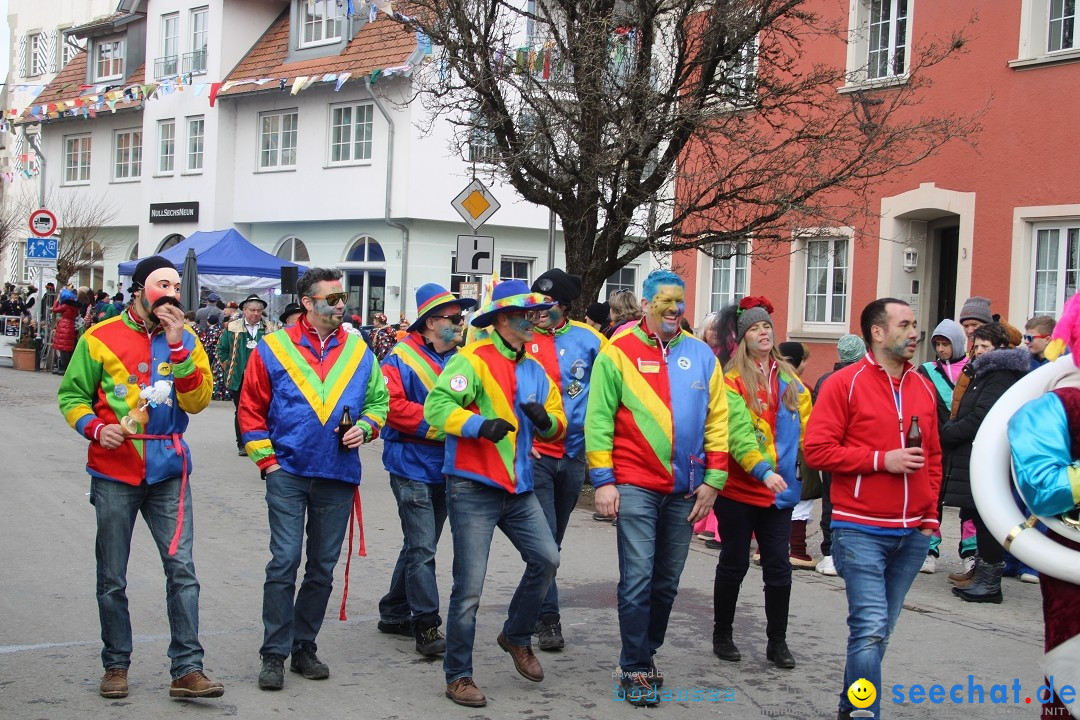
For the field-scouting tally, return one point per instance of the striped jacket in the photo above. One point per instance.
(489, 379)
(411, 447)
(111, 364)
(294, 393)
(657, 417)
(567, 354)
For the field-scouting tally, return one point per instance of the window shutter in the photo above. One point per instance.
(53, 50)
(22, 56)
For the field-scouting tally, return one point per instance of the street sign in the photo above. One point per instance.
(470, 290)
(41, 252)
(475, 204)
(42, 223)
(475, 254)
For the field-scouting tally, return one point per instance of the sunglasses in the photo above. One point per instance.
(332, 298)
(455, 319)
(1030, 338)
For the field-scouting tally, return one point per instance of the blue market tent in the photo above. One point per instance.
(225, 260)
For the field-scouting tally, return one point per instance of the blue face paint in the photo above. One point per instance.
(521, 325)
(555, 316)
(448, 334)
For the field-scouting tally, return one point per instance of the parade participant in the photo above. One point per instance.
(300, 383)
(492, 400)
(655, 437)
(412, 455)
(768, 408)
(235, 347)
(567, 350)
(598, 317)
(884, 489)
(290, 315)
(66, 334)
(130, 386)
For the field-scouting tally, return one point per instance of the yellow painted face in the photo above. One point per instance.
(862, 693)
(667, 307)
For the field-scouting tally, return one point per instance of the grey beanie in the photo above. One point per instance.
(976, 308)
(748, 317)
(849, 348)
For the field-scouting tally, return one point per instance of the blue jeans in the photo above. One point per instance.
(653, 541)
(116, 506)
(557, 483)
(290, 624)
(475, 510)
(414, 593)
(878, 571)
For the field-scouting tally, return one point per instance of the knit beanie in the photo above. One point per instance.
(752, 310)
(793, 351)
(599, 313)
(849, 348)
(558, 285)
(144, 268)
(976, 308)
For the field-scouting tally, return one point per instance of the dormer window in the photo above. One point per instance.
(321, 24)
(109, 59)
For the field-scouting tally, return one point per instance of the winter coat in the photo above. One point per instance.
(990, 376)
(65, 336)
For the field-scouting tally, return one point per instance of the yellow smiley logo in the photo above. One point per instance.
(862, 693)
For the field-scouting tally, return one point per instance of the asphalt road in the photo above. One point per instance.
(49, 634)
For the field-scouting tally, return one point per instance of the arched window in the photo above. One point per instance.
(294, 250)
(170, 241)
(134, 254)
(366, 249)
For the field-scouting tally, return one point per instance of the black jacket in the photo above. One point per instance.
(992, 374)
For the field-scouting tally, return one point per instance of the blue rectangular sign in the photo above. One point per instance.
(42, 248)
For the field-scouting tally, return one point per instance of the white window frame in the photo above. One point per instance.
(287, 250)
(1036, 30)
(37, 53)
(1065, 233)
(344, 135)
(517, 259)
(280, 154)
(80, 149)
(736, 81)
(316, 31)
(1059, 24)
(610, 287)
(195, 147)
(170, 40)
(111, 68)
(68, 49)
(798, 326)
(199, 24)
(861, 44)
(166, 144)
(127, 155)
(732, 272)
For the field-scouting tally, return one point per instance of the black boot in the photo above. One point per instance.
(987, 585)
(777, 600)
(725, 598)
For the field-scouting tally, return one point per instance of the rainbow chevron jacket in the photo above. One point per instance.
(567, 354)
(489, 379)
(411, 447)
(112, 362)
(657, 417)
(294, 393)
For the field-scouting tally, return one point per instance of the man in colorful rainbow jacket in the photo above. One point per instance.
(656, 438)
(491, 400)
(131, 383)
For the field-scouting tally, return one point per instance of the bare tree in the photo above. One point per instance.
(667, 125)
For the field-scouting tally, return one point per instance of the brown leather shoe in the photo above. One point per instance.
(463, 691)
(196, 685)
(114, 683)
(524, 660)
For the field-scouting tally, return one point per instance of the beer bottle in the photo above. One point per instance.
(343, 427)
(914, 434)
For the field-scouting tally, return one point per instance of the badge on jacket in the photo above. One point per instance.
(648, 366)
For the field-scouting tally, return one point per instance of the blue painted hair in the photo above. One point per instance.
(656, 279)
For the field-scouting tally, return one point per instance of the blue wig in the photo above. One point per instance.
(656, 279)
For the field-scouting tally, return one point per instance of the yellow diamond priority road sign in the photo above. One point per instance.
(475, 204)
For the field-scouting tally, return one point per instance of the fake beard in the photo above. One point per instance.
(165, 300)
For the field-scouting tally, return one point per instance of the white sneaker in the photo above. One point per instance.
(929, 565)
(1029, 578)
(826, 567)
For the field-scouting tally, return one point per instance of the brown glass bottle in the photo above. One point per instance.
(914, 434)
(343, 427)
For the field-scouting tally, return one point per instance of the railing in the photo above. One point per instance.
(194, 63)
(166, 67)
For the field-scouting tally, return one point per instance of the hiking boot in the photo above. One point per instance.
(114, 683)
(525, 661)
(272, 674)
(403, 628)
(430, 642)
(987, 585)
(639, 690)
(308, 664)
(549, 632)
(196, 685)
(463, 691)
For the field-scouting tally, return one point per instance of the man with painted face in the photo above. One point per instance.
(567, 350)
(132, 381)
(299, 382)
(234, 348)
(656, 439)
(412, 454)
(492, 400)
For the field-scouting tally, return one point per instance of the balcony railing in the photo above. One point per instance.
(166, 67)
(194, 63)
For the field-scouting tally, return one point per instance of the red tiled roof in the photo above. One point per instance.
(378, 45)
(70, 84)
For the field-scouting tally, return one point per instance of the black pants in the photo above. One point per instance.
(990, 550)
(772, 526)
(236, 416)
(826, 513)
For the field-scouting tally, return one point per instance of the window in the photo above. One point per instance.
(168, 64)
(350, 133)
(128, 155)
(737, 78)
(729, 274)
(195, 61)
(76, 159)
(110, 59)
(196, 127)
(277, 140)
(68, 50)
(293, 250)
(1062, 25)
(366, 249)
(170, 241)
(38, 50)
(826, 276)
(1057, 266)
(622, 279)
(321, 23)
(515, 269)
(166, 146)
(887, 39)
(482, 148)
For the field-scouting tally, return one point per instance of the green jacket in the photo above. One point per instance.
(233, 350)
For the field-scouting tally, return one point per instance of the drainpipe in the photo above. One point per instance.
(389, 189)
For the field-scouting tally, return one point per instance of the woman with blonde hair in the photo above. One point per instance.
(625, 309)
(768, 407)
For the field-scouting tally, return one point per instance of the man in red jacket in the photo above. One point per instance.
(884, 493)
